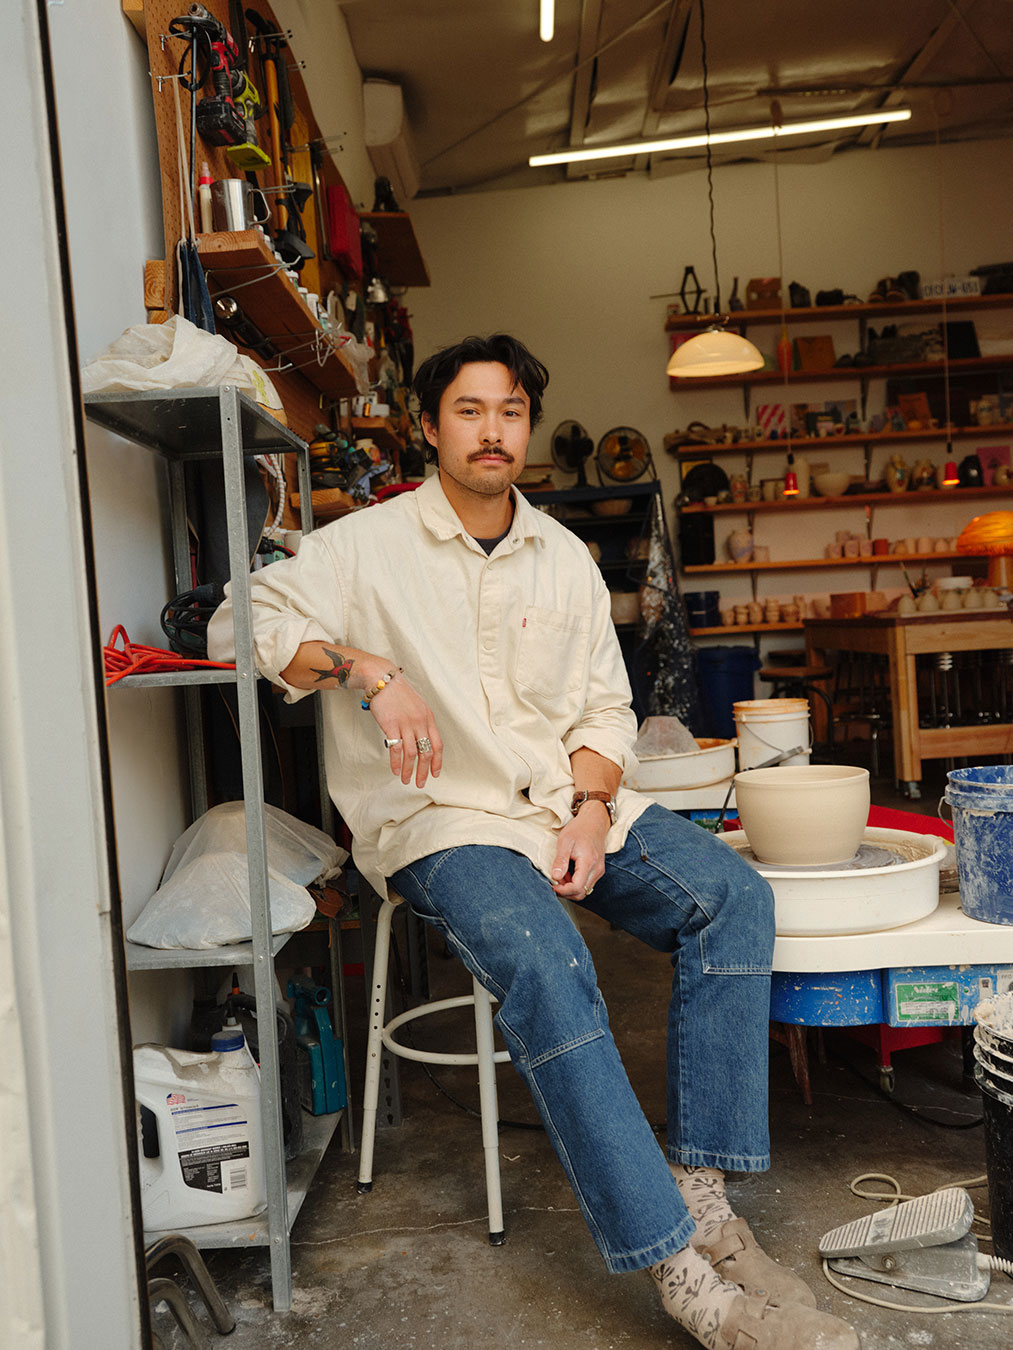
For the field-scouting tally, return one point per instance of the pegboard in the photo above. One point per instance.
(164, 52)
(303, 403)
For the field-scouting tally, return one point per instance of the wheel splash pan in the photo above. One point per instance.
(893, 880)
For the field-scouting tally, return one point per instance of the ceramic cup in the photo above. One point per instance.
(761, 553)
(880, 546)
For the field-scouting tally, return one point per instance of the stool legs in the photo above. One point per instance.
(374, 1046)
(490, 1112)
(485, 1057)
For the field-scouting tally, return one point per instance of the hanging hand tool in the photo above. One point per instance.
(227, 117)
(289, 234)
(242, 329)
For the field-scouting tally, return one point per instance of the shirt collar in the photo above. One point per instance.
(441, 520)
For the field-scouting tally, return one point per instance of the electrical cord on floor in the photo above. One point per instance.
(894, 1197)
(907, 1107)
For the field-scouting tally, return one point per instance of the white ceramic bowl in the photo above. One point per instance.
(712, 763)
(954, 584)
(795, 814)
(831, 484)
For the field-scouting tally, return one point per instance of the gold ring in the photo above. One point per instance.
(587, 891)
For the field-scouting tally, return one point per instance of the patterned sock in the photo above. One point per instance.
(703, 1194)
(694, 1294)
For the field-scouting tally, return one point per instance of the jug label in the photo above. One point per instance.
(212, 1143)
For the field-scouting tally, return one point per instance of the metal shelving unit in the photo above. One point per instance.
(183, 425)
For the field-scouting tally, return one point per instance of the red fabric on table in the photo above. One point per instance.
(887, 819)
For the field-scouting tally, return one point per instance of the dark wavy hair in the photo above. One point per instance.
(441, 369)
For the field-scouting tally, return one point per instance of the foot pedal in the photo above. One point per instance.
(925, 1222)
(922, 1244)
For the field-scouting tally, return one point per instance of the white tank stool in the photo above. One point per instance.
(485, 1056)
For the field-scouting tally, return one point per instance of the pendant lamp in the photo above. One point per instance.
(715, 351)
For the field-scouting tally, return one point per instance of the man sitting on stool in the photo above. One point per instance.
(477, 722)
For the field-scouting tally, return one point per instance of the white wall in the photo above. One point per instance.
(114, 219)
(570, 269)
(333, 81)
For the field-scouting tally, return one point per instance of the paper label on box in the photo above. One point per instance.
(934, 290)
(928, 1001)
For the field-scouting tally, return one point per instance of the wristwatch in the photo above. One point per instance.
(579, 798)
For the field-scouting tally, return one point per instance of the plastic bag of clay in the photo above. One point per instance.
(203, 899)
(659, 736)
(174, 355)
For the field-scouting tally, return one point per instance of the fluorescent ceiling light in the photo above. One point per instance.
(546, 20)
(576, 155)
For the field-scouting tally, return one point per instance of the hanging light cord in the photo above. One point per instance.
(942, 273)
(710, 166)
(780, 271)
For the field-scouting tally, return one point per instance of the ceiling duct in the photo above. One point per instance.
(388, 137)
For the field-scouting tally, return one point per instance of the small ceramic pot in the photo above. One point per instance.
(740, 546)
(803, 814)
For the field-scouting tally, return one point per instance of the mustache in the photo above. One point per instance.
(491, 450)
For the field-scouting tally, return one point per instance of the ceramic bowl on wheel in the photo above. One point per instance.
(797, 814)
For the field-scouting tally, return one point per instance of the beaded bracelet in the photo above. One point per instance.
(371, 694)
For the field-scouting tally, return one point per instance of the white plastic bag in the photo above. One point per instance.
(174, 355)
(203, 899)
(660, 736)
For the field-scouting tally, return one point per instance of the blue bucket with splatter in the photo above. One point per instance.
(981, 800)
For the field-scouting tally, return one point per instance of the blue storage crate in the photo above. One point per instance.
(940, 996)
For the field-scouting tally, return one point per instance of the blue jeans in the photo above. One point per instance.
(681, 891)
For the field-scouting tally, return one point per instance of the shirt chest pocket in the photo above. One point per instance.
(552, 651)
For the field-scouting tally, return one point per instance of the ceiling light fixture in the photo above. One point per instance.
(715, 351)
(581, 155)
(546, 19)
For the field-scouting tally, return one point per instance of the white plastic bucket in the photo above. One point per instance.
(768, 726)
(205, 1133)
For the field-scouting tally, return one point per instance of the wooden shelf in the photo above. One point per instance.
(232, 260)
(680, 323)
(379, 429)
(746, 628)
(804, 564)
(960, 366)
(781, 445)
(912, 498)
(397, 251)
(328, 503)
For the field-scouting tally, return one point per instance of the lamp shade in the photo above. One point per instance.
(714, 352)
(991, 535)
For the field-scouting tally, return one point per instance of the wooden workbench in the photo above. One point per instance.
(901, 638)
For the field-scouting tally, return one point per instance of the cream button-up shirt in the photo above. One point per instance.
(515, 653)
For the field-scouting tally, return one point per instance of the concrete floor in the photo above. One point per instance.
(408, 1267)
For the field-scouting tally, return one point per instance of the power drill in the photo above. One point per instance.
(227, 117)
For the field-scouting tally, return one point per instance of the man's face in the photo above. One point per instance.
(484, 428)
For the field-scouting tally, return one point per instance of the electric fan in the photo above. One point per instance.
(571, 446)
(623, 456)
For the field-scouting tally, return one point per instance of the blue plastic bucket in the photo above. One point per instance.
(981, 800)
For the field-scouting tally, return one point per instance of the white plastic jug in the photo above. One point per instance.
(205, 1131)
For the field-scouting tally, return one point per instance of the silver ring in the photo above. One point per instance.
(425, 745)
(391, 741)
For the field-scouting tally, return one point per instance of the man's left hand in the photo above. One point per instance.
(580, 856)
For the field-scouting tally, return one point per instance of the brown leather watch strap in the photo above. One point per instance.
(579, 798)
